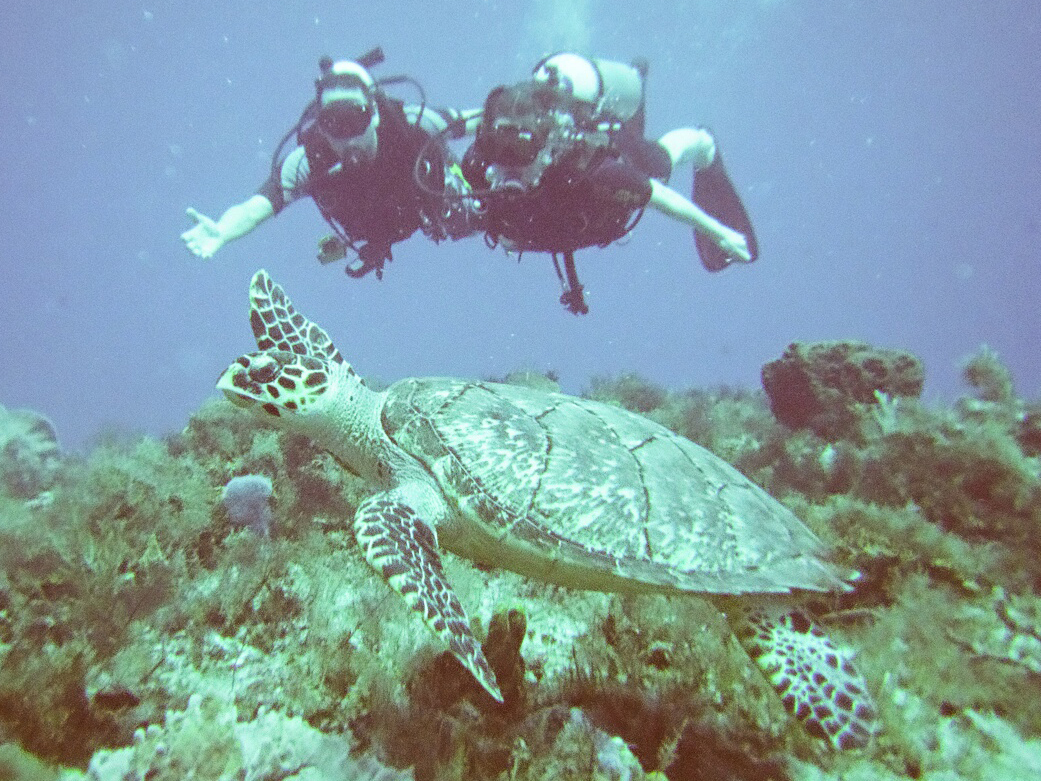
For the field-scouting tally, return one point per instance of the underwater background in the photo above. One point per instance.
(888, 157)
(886, 153)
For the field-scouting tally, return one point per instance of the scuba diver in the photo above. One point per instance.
(560, 163)
(366, 161)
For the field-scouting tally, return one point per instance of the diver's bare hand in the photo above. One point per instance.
(204, 238)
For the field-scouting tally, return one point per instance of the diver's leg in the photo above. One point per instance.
(723, 231)
(689, 145)
(724, 244)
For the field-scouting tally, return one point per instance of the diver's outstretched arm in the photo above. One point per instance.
(207, 235)
(436, 120)
(673, 204)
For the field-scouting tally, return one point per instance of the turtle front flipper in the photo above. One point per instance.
(815, 678)
(278, 326)
(401, 547)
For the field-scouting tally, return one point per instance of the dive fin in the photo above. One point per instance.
(714, 193)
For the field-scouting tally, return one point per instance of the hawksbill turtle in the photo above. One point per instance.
(554, 487)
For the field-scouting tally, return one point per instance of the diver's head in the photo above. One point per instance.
(516, 123)
(347, 112)
(523, 128)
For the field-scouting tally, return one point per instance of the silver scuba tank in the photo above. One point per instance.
(612, 90)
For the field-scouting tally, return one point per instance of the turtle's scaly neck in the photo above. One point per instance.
(347, 423)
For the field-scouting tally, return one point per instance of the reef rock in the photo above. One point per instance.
(826, 387)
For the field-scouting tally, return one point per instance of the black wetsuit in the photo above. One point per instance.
(376, 202)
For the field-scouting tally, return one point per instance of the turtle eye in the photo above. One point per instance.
(264, 369)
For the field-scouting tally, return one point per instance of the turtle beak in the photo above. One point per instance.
(234, 382)
(244, 383)
(238, 399)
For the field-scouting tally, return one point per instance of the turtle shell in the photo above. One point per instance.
(589, 495)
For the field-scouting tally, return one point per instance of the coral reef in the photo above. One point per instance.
(971, 747)
(826, 386)
(208, 741)
(992, 381)
(145, 633)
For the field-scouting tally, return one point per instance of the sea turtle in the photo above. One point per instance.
(554, 487)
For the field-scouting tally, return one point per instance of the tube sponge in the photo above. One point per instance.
(247, 498)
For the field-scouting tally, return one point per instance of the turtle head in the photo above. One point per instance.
(278, 384)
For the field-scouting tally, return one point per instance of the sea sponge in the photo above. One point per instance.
(828, 387)
(29, 453)
(991, 379)
(247, 498)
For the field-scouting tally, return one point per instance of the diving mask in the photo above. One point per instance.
(340, 119)
(510, 144)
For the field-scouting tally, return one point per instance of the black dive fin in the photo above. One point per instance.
(714, 192)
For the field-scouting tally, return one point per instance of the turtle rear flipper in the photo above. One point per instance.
(815, 678)
(399, 545)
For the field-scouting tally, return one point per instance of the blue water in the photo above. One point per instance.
(888, 154)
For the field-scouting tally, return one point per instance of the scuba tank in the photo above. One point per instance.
(571, 102)
(612, 91)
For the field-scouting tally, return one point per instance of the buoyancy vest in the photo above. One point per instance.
(574, 184)
(376, 202)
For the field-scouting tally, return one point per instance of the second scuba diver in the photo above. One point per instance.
(560, 163)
